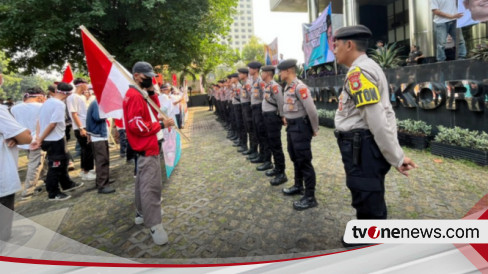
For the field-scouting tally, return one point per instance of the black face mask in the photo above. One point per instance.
(146, 83)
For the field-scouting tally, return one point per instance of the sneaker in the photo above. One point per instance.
(159, 235)
(88, 176)
(60, 197)
(26, 197)
(139, 220)
(74, 186)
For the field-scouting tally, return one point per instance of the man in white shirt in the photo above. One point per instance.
(77, 109)
(52, 127)
(445, 16)
(27, 114)
(11, 135)
(176, 98)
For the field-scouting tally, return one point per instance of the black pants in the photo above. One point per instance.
(241, 130)
(299, 136)
(86, 157)
(102, 161)
(57, 173)
(366, 178)
(210, 103)
(247, 118)
(7, 216)
(260, 132)
(273, 125)
(178, 119)
(231, 117)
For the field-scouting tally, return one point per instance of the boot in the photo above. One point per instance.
(265, 166)
(279, 179)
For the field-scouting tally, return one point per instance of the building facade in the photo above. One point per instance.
(407, 22)
(242, 29)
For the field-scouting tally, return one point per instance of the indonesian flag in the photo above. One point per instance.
(68, 75)
(175, 80)
(110, 80)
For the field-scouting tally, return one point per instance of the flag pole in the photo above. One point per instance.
(144, 94)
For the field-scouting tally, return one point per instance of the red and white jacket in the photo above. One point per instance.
(140, 129)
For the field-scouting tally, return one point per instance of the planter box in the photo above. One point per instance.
(326, 122)
(414, 141)
(455, 152)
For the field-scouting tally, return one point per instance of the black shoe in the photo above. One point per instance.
(247, 152)
(253, 155)
(60, 197)
(234, 139)
(272, 173)
(74, 186)
(265, 166)
(305, 203)
(279, 180)
(242, 149)
(258, 160)
(294, 190)
(106, 190)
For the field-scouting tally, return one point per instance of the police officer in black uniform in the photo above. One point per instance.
(302, 125)
(252, 152)
(366, 128)
(274, 120)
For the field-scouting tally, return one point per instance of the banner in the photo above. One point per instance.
(317, 40)
(271, 51)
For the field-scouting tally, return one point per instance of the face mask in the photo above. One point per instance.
(146, 83)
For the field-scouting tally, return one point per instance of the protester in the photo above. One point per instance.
(445, 16)
(380, 45)
(98, 131)
(27, 114)
(77, 108)
(11, 135)
(414, 56)
(177, 98)
(52, 125)
(144, 134)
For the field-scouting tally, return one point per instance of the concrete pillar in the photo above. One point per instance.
(313, 10)
(351, 13)
(421, 26)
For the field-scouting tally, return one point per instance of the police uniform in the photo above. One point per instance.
(366, 131)
(302, 119)
(257, 95)
(235, 109)
(273, 113)
(247, 116)
(239, 122)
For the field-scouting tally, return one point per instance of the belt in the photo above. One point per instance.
(246, 103)
(350, 134)
(270, 113)
(256, 106)
(296, 120)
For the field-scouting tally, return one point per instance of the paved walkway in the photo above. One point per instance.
(217, 206)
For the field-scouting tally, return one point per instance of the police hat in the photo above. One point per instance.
(289, 63)
(229, 76)
(353, 32)
(222, 81)
(255, 65)
(243, 70)
(268, 68)
(234, 75)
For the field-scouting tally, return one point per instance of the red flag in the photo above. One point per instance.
(175, 80)
(68, 75)
(109, 79)
(159, 79)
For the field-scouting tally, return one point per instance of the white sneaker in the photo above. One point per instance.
(159, 235)
(139, 219)
(88, 176)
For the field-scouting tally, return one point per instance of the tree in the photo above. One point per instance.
(253, 51)
(44, 34)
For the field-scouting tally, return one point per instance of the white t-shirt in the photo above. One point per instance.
(77, 103)
(446, 6)
(27, 114)
(176, 108)
(9, 176)
(166, 103)
(53, 111)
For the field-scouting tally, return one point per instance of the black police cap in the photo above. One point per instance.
(289, 63)
(353, 32)
(268, 68)
(229, 76)
(222, 81)
(234, 75)
(255, 65)
(243, 70)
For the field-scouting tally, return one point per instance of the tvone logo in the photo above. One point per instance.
(373, 232)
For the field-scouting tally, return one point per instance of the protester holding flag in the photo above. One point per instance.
(77, 108)
(177, 98)
(144, 134)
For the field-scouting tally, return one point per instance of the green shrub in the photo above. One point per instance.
(328, 114)
(413, 127)
(463, 137)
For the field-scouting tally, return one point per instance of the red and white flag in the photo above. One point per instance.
(110, 80)
(68, 75)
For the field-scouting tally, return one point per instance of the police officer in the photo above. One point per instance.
(247, 114)
(219, 102)
(366, 128)
(302, 124)
(274, 120)
(257, 95)
(232, 135)
(236, 104)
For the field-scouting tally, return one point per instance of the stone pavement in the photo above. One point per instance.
(217, 206)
